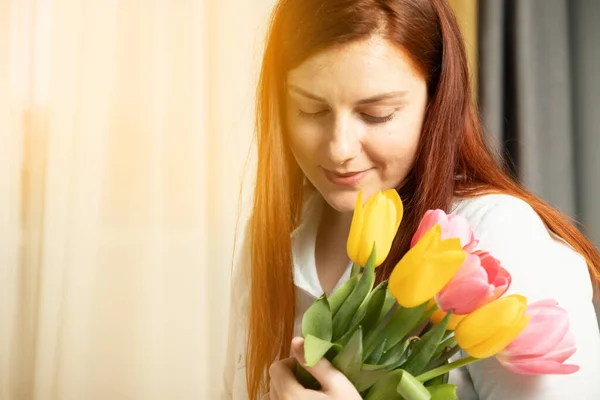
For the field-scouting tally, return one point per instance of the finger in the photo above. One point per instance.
(327, 375)
(283, 379)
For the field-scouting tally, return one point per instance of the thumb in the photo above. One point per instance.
(328, 376)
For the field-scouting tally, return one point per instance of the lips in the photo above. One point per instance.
(345, 178)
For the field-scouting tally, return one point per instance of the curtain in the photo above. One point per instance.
(124, 132)
(539, 92)
(126, 164)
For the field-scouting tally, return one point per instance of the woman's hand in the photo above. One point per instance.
(285, 386)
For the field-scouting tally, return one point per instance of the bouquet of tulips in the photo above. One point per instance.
(395, 340)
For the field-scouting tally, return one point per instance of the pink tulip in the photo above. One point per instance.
(480, 280)
(544, 345)
(452, 226)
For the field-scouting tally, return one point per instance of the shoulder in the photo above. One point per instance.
(542, 266)
(505, 218)
(513, 232)
(483, 211)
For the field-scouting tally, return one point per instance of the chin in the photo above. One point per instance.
(343, 200)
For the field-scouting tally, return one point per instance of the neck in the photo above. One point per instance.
(338, 221)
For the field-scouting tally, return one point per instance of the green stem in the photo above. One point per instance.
(445, 368)
(355, 270)
(444, 356)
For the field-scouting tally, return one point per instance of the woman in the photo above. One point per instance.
(373, 95)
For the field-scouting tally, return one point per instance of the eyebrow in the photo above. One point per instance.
(368, 100)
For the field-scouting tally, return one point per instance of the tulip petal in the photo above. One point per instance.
(498, 277)
(406, 273)
(384, 237)
(429, 240)
(485, 322)
(548, 327)
(459, 227)
(356, 228)
(374, 221)
(453, 226)
(544, 345)
(428, 278)
(471, 269)
(463, 296)
(535, 367)
(471, 246)
(431, 218)
(565, 349)
(393, 196)
(468, 289)
(498, 341)
(439, 315)
(452, 244)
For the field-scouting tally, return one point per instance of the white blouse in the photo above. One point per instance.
(542, 266)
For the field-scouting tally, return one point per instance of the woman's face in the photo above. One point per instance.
(354, 115)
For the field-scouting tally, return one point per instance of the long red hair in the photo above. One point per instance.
(453, 159)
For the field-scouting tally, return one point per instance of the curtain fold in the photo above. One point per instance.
(539, 91)
(110, 284)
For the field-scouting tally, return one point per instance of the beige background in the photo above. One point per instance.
(125, 127)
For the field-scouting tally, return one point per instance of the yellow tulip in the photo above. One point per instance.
(426, 268)
(375, 223)
(491, 328)
(438, 316)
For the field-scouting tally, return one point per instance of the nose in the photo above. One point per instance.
(344, 143)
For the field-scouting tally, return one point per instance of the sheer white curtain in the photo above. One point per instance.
(124, 130)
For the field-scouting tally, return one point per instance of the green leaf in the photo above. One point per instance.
(388, 303)
(411, 389)
(375, 356)
(316, 321)
(401, 323)
(426, 347)
(449, 342)
(438, 380)
(443, 392)
(342, 319)
(386, 387)
(315, 349)
(355, 270)
(343, 341)
(372, 256)
(372, 309)
(364, 314)
(341, 294)
(395, 356)
(374, 367)
(445, 379)
(429, 310)
(368, 377)
(349, 360)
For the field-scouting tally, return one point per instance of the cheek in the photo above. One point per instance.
(395, 149)
(394, 152)
(305, 140)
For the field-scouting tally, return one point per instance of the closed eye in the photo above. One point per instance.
(368, 118)
(312, 114)
(372, 119)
